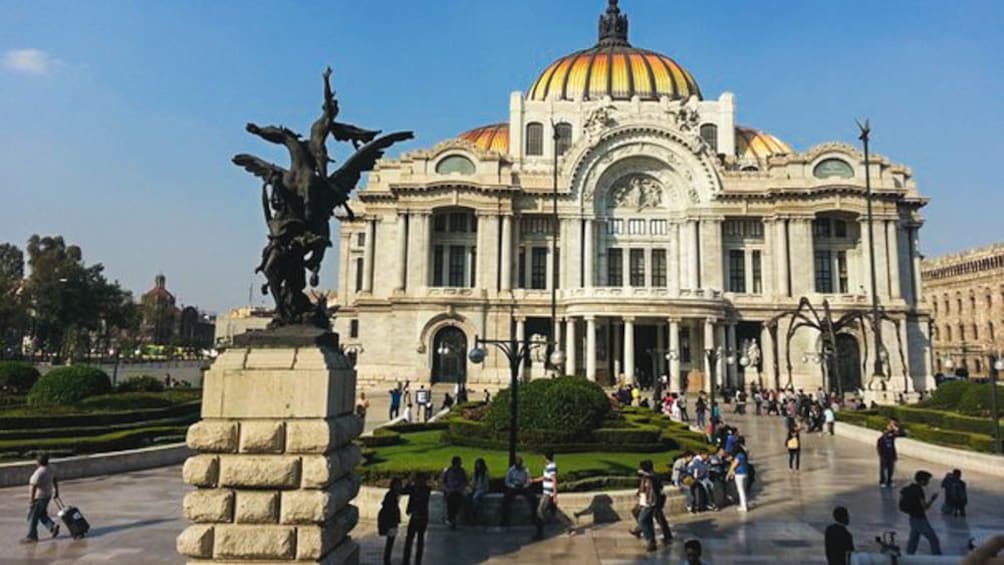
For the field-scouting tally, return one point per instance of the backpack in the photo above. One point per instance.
(908, 502)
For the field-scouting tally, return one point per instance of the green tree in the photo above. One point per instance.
(13, 313)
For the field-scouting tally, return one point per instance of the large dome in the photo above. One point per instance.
(614, 68)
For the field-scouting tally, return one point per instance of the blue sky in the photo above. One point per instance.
(119, 126)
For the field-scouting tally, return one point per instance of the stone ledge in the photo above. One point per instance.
(110, 463)
(946, 456)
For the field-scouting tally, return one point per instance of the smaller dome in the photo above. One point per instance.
(755, 144)
(494, 137)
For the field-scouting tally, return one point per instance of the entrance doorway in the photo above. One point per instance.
(845, 368)
(449, 356)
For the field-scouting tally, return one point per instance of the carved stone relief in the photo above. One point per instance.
(637, 192)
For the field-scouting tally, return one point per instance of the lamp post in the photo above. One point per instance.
(516, 352)
(877, 372)
(554, 245)
(117, 353)
(445, 350)
(713, 355)
(995, 369)
(654, 354)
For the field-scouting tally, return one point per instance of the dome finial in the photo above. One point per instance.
(613, 26)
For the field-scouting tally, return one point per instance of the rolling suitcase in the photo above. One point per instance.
(74, 520)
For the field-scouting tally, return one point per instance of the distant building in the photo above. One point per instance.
(238, 321)
(965, 293)
(160, 313)
(196, 328)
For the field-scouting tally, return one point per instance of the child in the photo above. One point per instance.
(389, 518)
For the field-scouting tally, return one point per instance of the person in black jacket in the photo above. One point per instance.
(389, 518)
(418, 511)
(838, 541)
(914, 502)
(886, 448)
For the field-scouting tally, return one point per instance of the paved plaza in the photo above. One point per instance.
(136, 516)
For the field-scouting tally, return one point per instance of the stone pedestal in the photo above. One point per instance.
(275, 459)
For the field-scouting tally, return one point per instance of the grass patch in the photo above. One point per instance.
(113, 441)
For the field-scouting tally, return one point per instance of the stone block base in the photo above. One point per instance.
(274, 464)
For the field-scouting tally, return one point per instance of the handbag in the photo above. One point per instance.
(792, 443)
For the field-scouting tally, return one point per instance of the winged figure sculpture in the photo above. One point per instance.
(298, 203)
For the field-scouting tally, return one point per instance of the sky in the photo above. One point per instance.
(119, 118)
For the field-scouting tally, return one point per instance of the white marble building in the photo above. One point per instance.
(678, 231)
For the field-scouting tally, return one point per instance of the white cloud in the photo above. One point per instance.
(29, 61)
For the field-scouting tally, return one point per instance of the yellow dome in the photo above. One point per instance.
(614, 68)
(494, 137)
(754, 144)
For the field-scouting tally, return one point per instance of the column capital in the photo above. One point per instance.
(710, 320)
(628, 319)
(589, 318)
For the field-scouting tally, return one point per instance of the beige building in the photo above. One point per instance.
(965, 295)
(678, 231)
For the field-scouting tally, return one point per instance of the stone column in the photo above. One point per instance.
(782, 265)
(549, 269)
(629, 349)
(675, 379)
(895, 358)
(591, 348)
(520, 338)
(709, 343)
(892, 234)
(733, 374)
(693, 255)
(274, 458)
(866, 247)
(618, 363)
(570, 346)
(625, 267)
(571, 253)
(711, 255)
(589, 253)
(368, 256)
(720, 366)
(517, 236)
(914, 235)
(506, 259)
(660, 343)
(401, 281)
(766, 345)
(767, 268)
(486, 273)
(673, 260)
(801, 264)
(418, 250)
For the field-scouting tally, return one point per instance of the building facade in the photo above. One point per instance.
(677, 231)
(965, 295)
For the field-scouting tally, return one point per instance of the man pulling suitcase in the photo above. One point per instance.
(42, 487)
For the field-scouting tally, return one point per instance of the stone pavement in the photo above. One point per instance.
(136, 516)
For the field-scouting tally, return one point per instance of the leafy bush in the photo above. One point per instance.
(948, 395)
(568, 406)
(381, 437)
(142, 383)
(8, 400)
(68, 385)
(616, 436)
(976, 400)
(17, 377)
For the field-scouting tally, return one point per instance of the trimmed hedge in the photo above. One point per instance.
(404, 428)
(85, 431)
(568, 406)
(939, 419)
(381, 437)
(141, 383)
(39, 421)
(17, 377)
(915, 429)
(114, 441)
(69, 385)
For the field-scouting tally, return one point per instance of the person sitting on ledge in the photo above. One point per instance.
(517, 483)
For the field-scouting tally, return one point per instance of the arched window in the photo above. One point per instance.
(563, 132)
(709, 133)
(990, 331)
(948, 333)
(976, 332)
(534, 138)
(962, 332)
(455, 164)
(833, 168)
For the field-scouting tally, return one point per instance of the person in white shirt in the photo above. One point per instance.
(43, 487)
(407, 413)
(829, 417)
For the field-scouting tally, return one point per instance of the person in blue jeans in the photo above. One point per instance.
(43, 487)
(915, 503)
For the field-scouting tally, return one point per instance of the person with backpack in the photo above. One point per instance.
(955, 494)
(914, 502)
(389, 518)
(837, 541)
(794, 446)
(418, 492)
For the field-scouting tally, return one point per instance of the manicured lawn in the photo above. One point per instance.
(424, 451)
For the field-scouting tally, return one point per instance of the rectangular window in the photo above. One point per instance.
(737, 270)
(615, 227)
(458, 222)
(361, 239)
(757, 269)
(615, 267)
(824, 271)
(456, 266)
(521, 269)
(821, 227)
(538, 268)
(353, 328)
(658, 227)
(359, 275)
(753, 229)
(474, 267)
(536, 224)
(637, 260)
(437, 265)
(534, 138)
(659, 268)
(439, 222)
(842, 271)
(636, 227)
(840, 228)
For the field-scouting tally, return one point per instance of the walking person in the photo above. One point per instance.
(739, 471)
(418, 517)
(914, 502)
(838, 542)
(42, 487)
(395, 402)
(830, 418)
(548, 504)
(454, 482)
(480, 484)
(646, 504)
(794, 446)
(389, 518)
(700, 409)
(362, 405)
(955, 494)
(682, 401)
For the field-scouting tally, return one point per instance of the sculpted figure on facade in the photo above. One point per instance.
(598, 120)
(637, 192)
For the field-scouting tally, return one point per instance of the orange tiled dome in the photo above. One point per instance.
(758, 145)
(494, 137)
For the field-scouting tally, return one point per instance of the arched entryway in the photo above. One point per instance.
(449, 356)
(845, 373)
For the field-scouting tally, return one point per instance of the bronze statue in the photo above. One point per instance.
(298, 204)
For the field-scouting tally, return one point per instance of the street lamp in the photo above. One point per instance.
(443, 350)
(115, 372)
(996, 368)
(877, 372)
(516, 352)
(713, 355)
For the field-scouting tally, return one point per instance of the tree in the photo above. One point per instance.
(13, 314)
